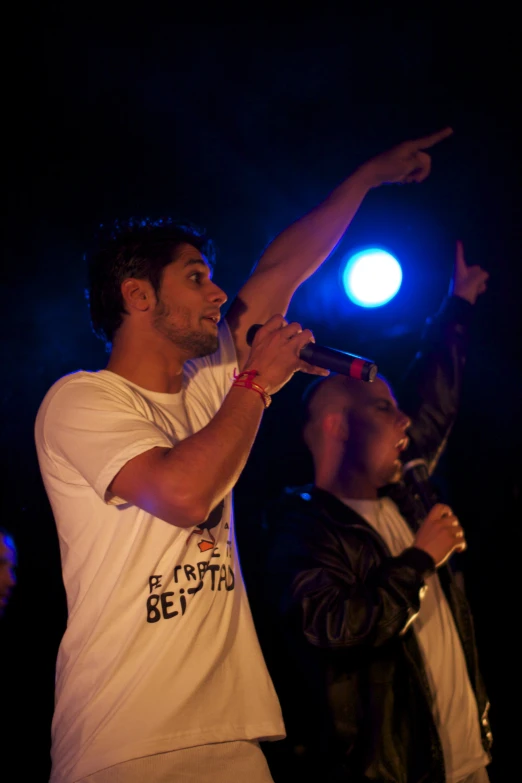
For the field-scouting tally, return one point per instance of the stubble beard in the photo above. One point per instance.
(195, 343)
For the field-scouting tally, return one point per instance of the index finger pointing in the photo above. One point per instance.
(460, 261)
(432, 139)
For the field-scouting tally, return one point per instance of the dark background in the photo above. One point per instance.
(242, 127)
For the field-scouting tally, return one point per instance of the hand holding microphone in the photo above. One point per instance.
(440, 534)
(416, 477)
(331, 359)
(275, 354)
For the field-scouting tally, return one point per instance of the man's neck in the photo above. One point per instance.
(349, 486)
(158, 368)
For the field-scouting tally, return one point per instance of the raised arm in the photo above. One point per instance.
(431, 390)
(300, 249)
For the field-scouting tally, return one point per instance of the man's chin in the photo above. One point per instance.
(393, 476)
(206, 347)
(396, 475)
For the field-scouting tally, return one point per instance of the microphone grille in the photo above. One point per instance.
(251, 333)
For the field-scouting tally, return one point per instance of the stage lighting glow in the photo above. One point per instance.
(372, 277)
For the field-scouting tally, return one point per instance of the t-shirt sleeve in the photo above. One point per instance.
(93, 430)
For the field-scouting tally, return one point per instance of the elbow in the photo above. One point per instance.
(184, 510)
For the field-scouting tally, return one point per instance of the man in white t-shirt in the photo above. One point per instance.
(380, 681)
(159, 673)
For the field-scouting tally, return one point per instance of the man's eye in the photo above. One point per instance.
(384, 406)
(196, 276)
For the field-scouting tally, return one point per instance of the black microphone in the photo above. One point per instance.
(416, 476)
(331, 359)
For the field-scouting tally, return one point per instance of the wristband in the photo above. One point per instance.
(245, 380)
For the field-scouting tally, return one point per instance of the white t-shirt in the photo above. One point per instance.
(455, 706)
(160, 651)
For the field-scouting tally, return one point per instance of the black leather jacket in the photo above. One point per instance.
(349, 671)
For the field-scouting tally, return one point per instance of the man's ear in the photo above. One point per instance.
(137, 294)
(335, 425)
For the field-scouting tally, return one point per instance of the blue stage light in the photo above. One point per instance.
(372, 277)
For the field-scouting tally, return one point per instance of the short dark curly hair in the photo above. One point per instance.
(137, 247)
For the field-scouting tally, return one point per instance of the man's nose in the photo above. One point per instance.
(404, 421)
(218, 295)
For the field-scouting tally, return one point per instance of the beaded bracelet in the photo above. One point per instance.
(245, 380)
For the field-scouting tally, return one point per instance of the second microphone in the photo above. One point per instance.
(331, 359)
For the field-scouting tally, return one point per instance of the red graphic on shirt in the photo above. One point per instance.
(204, 545)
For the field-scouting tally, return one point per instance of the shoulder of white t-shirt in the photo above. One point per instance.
(100, 379)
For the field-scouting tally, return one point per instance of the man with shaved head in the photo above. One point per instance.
(356, 449)
(378, 673)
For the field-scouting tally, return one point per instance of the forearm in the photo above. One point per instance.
(211, 461)
(305, 244)
(198, 472)
(342, 601)
(293, 256)
(298, 251)
(367, 612)
(430, 392)
(182, 484)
